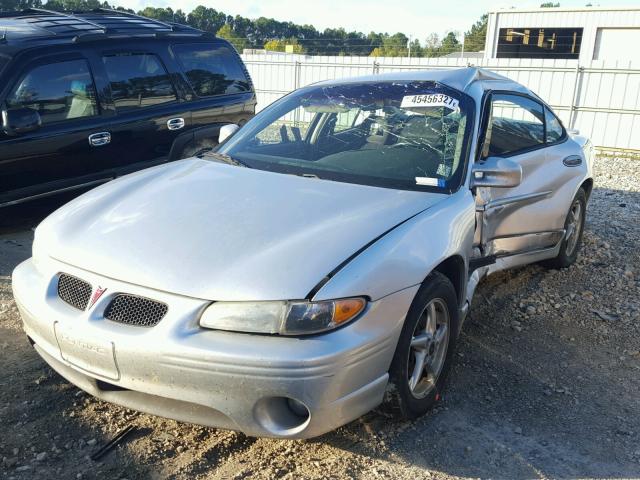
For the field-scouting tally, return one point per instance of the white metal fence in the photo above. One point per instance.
(600, 99)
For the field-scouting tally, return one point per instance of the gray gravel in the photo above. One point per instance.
(546, 386)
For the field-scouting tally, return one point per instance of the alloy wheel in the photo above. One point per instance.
(428, 349)
(574, 227)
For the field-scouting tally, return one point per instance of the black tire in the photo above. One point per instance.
(569, 250)
(438, 288)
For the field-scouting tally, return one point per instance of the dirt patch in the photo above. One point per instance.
(546, 385)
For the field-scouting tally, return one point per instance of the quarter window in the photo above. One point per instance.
(57, 91)
(211, 69)
(555, 131)
(517, 123)
(138, 80)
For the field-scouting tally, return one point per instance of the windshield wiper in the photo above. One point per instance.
(224, 158)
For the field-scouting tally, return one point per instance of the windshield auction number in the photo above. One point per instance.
(429, 100)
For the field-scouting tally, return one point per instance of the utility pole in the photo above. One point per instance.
(409, 45)
(462, 51)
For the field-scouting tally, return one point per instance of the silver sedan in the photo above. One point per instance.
(320, 260)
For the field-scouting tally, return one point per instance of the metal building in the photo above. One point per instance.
(583, 34)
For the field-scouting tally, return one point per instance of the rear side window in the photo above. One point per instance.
(517, 123)
(58, 91)
(211, 69)
(137, 81)
(555, 131)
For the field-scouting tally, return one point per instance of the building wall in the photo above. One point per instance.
(590, 19)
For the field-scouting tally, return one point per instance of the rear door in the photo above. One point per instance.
(149, 111)
(58, 155)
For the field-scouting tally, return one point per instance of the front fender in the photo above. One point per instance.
(405, 256)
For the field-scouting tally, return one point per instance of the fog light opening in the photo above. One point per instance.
(282, 416)
(298, 408)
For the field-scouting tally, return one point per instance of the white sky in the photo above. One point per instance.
(418, 18)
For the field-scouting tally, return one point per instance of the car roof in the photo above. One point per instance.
(462, 79)
(37, 26)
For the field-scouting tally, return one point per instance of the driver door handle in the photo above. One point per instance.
(99, 139)
(175, 123)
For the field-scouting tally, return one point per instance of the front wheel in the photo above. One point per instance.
(424, 353)
(573, 227)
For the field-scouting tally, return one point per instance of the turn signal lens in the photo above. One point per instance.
(345, 310)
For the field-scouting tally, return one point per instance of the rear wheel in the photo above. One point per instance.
(425, 349)
(574, 227)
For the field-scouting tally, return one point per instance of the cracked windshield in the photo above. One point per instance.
(398, 135)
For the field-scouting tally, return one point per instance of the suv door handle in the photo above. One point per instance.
(175, 123)
(99, 139)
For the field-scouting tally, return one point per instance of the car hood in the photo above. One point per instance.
(220, 232)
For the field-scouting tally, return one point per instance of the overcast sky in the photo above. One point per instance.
(412, 17)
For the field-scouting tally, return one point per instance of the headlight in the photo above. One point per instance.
(284, 318)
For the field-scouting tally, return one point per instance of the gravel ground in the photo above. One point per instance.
(545, 386)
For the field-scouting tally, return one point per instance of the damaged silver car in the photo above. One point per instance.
(322, 258)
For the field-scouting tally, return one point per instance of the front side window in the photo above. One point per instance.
(137, 81)
(539, 43)
(211, 69)
(57, 91)
(555, 132)
(406, 135)
(516, 124)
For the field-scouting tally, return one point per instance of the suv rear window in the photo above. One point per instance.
(57, 91)
(211, 69)
(138, 80)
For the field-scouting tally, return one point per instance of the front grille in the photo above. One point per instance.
(74, 291)
(134, 310)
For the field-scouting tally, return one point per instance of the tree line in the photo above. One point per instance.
(271, 34)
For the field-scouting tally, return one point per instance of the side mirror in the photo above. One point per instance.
(20, 120)
(496, 172)
(227, 131)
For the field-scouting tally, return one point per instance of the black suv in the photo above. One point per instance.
(86, 97)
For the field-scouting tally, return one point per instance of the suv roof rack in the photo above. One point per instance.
(96, 23)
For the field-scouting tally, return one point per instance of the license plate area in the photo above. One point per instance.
(92, 354)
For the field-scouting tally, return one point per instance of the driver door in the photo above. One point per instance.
(57, 155)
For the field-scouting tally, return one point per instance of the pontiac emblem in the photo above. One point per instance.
(96, 295)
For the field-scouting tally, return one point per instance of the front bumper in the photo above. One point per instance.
(220, 379)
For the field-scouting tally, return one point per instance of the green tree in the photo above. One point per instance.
(164, 14)
(12, 5)
(207, 19)
(392, 46)
(549, 5)
(232, 37)
(416, 49)
(449, 44)
(474, 39)
(277, 45)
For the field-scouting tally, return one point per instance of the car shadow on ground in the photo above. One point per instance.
(545, 385)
